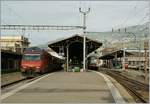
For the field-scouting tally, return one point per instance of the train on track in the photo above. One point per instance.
(36, 61)
(93, 63)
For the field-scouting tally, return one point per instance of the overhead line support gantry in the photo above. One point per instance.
(38, 27)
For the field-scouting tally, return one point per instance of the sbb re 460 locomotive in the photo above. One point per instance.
(37, 61)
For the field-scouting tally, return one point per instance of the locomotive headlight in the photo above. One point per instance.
(37, 67)
(24, 67)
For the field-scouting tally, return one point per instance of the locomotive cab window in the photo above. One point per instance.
(32, 57)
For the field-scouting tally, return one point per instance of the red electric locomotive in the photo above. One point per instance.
(37, 61)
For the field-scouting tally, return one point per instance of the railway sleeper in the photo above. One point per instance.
(131, 87)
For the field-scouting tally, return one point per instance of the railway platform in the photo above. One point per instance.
(67, 87)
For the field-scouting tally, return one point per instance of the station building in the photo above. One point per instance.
(10, 61)
(14, 43)
(133, 58)
(12, 48)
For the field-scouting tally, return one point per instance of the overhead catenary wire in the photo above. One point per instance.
(138, 23)
(131, 16)
(135, 7)
(127, 17)
(14, 13)
(20, 31)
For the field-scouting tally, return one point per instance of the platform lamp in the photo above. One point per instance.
(84, 31)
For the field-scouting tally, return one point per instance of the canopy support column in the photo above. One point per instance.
(67, 58)
(84, 53)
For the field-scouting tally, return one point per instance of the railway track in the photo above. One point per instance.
(12, 83)
(138, 90)
(24, 79)
(21, 80)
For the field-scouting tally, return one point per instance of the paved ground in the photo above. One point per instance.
(10, 77)
(64, 87)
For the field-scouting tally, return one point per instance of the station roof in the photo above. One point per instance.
(90, 43)
(56, 55)
(112, 54)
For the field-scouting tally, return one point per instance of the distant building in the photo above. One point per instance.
(136, 60)
(14, 43)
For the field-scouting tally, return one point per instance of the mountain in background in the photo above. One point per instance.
(141, 31)
(137, 33)
(133, 36)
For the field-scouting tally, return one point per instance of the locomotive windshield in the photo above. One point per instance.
(31, 57)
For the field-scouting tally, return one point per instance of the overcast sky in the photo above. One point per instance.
(104, 16)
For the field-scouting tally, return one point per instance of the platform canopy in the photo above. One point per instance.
(76, 42)
(72, 48)
(111, 55)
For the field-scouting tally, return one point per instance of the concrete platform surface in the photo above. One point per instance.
(63, 87)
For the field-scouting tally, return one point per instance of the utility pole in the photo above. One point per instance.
(139, 55)
(145, 65)
(84, 38)
(124, 56)
(124, 48)
(23, 35)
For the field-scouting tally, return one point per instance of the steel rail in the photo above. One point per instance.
(21, 80)
(133, 87)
